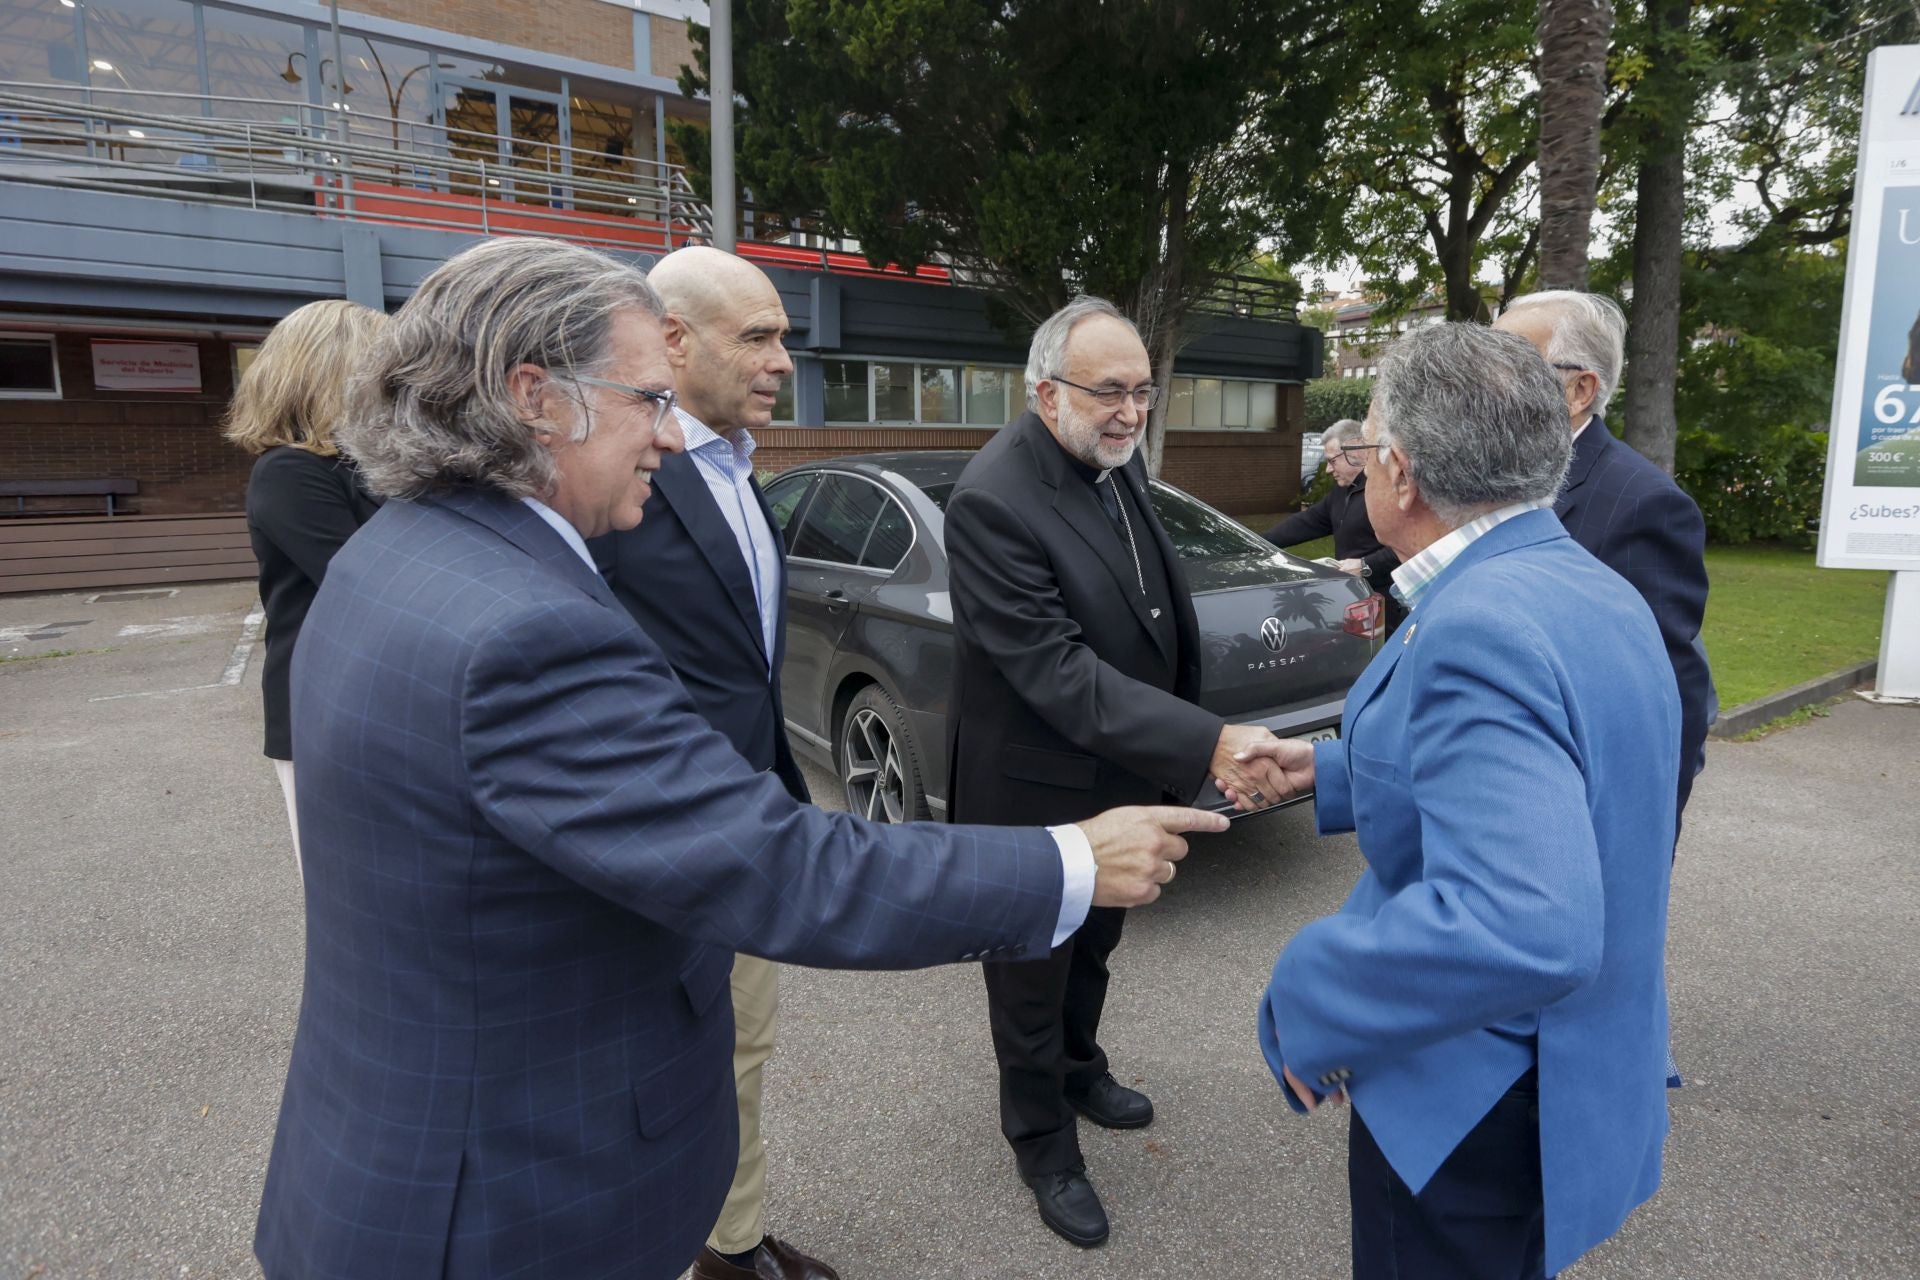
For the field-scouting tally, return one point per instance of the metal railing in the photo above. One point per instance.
(261, 154)
(299, 157)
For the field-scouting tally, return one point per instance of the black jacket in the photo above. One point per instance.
(679, 573)
(1068, 696)
(301, 508)
(1342, 513)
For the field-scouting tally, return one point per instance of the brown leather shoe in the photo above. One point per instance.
(773, 1260)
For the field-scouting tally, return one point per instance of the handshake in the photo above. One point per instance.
(1135, 848)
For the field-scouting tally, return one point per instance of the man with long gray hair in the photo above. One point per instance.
(1491, 997)
(528, 860)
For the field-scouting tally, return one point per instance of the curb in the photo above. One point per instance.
(1751, 715)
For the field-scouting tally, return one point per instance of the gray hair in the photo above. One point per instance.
(1047, 357)
(432, 410)
(1588, 330)
(1479, 415)
(1342, 431)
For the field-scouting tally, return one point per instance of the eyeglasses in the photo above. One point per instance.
(1348, 452)
(1110, 397)
(663, 402)
(1571, 368)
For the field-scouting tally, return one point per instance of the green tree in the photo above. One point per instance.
(1139, 151)
(1751, 107)
(1432, 155)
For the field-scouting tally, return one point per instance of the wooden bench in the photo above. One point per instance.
(108, 488)
(76, 554)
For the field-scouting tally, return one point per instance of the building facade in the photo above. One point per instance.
(175, 175)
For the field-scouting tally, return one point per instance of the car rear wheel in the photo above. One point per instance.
(879, 771)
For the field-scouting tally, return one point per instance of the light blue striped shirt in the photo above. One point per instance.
(726, 464)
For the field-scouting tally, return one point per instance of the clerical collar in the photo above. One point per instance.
(1090, 474)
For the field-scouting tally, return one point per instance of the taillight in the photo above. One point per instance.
(1366, 618)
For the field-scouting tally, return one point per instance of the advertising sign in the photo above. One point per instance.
(120, 365)
(1870, 516)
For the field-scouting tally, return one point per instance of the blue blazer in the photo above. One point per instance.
(1507, 760)
(528, 862)
(680, 574)
(1640, 524)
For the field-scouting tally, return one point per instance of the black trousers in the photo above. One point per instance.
(1045, 1016)
(1480, 1218)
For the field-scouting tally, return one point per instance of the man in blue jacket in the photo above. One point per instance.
(1491, 996)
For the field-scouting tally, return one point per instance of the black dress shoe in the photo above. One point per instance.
(1112, 1105)
(1071, 1207)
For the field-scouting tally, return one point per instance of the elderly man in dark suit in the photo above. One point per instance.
(1622, 508)
(529, 861)
(705, 576)
(1076, 665)
(1343, 513)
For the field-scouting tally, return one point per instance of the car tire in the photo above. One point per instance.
(875, 758)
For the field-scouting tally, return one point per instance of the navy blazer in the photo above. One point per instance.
(680, 574)
(1640, 524)
(1510, 783)
(528, 861)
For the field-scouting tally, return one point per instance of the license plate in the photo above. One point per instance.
(1327, 734)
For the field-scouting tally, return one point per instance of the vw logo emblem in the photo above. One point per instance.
(1273, 634)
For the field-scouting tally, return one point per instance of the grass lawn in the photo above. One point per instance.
(1773, 619)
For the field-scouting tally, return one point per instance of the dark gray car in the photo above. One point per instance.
(870, 628)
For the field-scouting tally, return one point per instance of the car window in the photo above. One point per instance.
(838, 520)
(892, 535)
(785, 497)
(938, 493)
(1199, 532)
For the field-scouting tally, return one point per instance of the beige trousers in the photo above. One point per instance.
(755, 995)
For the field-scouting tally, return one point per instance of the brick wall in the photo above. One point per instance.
(170, 443)
(672, 46)
(591, 30)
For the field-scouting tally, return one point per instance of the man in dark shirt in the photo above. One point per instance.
(1343, 513)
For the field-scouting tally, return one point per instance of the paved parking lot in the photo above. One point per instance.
(150, 950)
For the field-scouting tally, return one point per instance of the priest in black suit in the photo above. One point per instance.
(1076, 670)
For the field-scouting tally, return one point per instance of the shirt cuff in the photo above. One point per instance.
(1077, 871)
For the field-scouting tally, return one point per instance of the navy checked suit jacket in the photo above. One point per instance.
(527, 862)
(1640, 524)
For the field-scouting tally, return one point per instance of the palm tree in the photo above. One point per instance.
(1573, 37)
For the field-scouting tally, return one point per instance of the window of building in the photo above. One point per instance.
(940, 393)
(846, 391)
(1214, 404)
(243, 355)
(893, 398)
(908, 393)
(993, 395)
(273, 64)
(783, 402)
(28, 368)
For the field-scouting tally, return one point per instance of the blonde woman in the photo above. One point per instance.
(304, 499)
